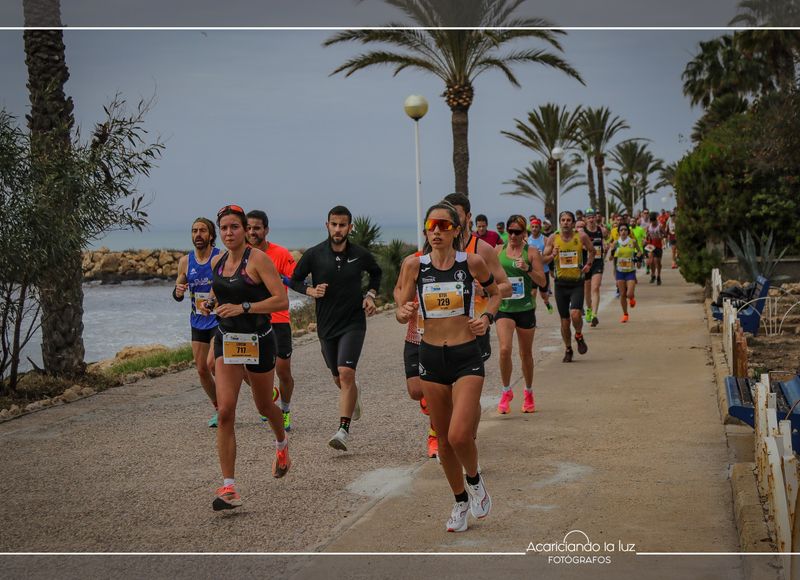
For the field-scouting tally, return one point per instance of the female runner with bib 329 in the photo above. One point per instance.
(450, 365)
(246, 289)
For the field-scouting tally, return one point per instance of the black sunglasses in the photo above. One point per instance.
(514, 232)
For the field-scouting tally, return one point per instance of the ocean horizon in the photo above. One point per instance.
(299, 238)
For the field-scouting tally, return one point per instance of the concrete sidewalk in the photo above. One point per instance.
(626, 447)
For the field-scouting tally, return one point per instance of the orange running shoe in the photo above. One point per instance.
(433, 446)
(624, 318)
(281, 463)
(423, 405)
(227, 499)
(528, 405)
(632, 302)
(505, 399)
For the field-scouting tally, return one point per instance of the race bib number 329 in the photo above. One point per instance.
(443, 300)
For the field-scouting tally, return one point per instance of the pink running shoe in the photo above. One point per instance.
(528, 406)
(505, 399)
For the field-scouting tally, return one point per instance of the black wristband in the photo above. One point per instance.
(488, 281)
(175, 295)
(490, 316)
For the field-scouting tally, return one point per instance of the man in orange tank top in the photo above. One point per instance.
(257, 232)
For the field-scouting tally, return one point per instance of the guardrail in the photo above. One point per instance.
(716, 284)
(777, 473)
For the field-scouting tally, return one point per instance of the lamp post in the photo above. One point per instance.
(607, 172)
(415, 107)
(558, 154)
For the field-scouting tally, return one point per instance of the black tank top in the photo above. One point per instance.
(445, 293)
(237, 289)
(597, 242)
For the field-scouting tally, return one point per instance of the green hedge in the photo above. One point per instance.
(744, 175)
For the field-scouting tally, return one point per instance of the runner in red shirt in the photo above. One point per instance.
(257, 231)
(484, 233)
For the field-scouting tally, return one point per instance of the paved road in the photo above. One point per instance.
(626, 448)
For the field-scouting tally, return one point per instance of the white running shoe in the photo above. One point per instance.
(457, 522)
(480, 502)
(357, 408)
(339, 440)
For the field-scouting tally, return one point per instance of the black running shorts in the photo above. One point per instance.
(568, 297)
(283, 338)
(546, 287)
(266, 351)
(203, 335)
(411, 359)
(485, 344)
(343, 350)
(446, 364)
(525, 319)
(597, 268)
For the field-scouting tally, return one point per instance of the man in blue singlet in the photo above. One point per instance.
(537, 240)
(194, 276)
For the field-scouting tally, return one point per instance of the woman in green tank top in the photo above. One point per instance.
(523, 264)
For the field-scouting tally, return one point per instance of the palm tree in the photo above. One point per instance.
(636, 164)
(751, 62)
(548, 127)
(622, 190)
(666, 176)
(776, 48)
(539, 182)
(767, 13)
(650, 165)
(50, 122)
(457, 57)
(597, 129)
(578, 159)
(720, 110)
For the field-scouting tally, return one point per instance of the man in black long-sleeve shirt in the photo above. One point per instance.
(335, 266)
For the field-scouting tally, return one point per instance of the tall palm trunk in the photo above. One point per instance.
(600, 161)
(461, 149)
(590, 179)
(50, 122)
(459, 98)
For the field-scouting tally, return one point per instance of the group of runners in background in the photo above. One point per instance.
(448, 295)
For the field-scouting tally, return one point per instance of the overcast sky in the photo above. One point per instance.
(308, 13)
(253, 117)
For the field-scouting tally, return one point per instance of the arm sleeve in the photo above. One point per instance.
(374, 271)
(301, 271)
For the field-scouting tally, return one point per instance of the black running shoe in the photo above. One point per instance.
(567, 355)
(582, 346)
(595, 322)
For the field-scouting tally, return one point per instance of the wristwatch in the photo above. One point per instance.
(490, 316)
(246, 307)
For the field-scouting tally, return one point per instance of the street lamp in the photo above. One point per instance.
(607, 171)
(415, 107)
(558, 154)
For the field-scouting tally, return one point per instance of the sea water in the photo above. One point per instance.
(128, 314)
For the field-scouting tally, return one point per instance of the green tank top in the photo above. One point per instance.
(521, 284)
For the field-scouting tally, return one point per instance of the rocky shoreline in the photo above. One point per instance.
(109, 267)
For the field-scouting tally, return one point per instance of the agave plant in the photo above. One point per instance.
(761, 262)
(365, 233)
